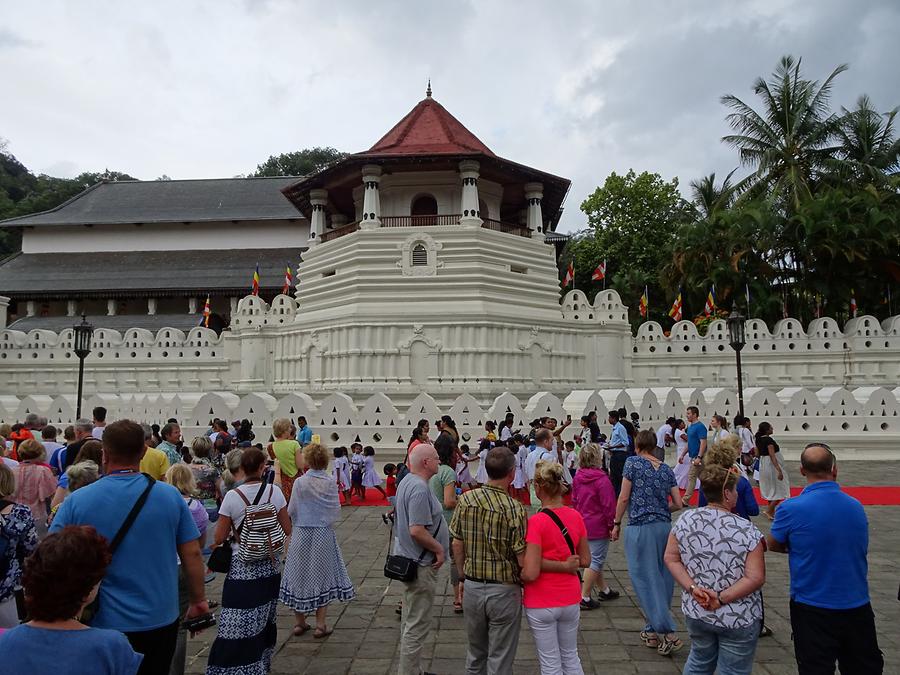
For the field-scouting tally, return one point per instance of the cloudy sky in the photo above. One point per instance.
(580, 89)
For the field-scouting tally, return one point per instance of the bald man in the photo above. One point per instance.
(826, 536)
(420, 534)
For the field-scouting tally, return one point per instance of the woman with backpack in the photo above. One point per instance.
(315, 574)
(18, 538)
(254, 522)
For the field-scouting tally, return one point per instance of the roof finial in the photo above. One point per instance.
(428, 90)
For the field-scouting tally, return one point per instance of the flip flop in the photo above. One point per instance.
(319, 634)
(300, 630)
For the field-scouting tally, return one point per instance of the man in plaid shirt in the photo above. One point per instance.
(488, 539)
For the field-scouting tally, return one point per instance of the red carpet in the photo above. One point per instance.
(874, 495)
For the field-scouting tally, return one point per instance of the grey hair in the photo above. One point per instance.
(83, 424)
(148, 431)
(81, 474)
(32, 420)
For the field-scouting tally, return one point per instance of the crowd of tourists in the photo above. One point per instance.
(109, 534)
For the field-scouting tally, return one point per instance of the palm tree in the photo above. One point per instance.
(790, 141)
(870, 152)
(710, 199)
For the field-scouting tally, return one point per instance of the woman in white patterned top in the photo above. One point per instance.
(717, 558)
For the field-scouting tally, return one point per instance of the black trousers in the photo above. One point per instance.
(157, 646)
(825, 636)
(616, 464)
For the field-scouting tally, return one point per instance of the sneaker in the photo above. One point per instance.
(611, 595)
(589, 604)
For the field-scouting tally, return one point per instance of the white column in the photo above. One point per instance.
(319, 200)
(70, 308)
(151, 306)
(110, 307)
(534, 193)
(29, 308)
(4, 311)
(233, 305)
(371, 217)
(192, 305)
(468, 172)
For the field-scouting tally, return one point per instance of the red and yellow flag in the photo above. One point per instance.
(288, 281)
(675, 312)
(570, 275)
(254, 289)
(645, 303)
(710, 307)
(206, 313)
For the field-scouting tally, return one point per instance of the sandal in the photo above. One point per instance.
(300, 630)
(650, 639)
(322, 633)
(668, 647)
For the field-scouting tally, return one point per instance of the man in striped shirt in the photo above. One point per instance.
(488, 538)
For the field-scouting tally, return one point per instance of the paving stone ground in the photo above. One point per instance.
(366, 634)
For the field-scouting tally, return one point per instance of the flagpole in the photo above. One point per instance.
(605, 272)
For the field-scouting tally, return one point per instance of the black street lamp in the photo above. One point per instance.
(84, 333)
(737, 339)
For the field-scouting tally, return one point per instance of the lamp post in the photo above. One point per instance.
(84, 333)
(737, 340)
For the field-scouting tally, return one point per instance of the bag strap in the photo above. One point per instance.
(132, 515)
(237, 532)
(562, 528)
(425, 551)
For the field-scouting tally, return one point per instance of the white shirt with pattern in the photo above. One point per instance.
(714, 546)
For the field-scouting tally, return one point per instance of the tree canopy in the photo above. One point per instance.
(299, 163)
(816, 220)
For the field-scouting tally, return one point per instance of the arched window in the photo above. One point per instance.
(419, 255)
(423, 210)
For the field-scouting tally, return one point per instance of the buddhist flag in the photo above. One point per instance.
(675, 312)
(206, 313)
(853, 307)
(599, 273)
(254, 290)
(570, 275)
(645, 303)
(288, 281)
(710, 307)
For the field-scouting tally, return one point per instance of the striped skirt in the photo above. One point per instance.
(247, 633)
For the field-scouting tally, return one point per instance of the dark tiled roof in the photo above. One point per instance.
(145, 273)
(428, 129)
(120, 322)
(171, 201)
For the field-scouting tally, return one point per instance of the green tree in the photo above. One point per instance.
(791, 141)
(869, 149)
(299, 163)
(633, 219)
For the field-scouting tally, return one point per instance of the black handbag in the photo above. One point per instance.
(401, 568)
(89, 612)
(220, 559)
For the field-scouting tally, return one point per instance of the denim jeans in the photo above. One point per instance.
(731, 650)
(653, 584)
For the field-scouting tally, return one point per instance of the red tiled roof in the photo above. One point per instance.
(428, 129)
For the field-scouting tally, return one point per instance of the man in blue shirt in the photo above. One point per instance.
(139, 594)
(304, 433)
(618, 449)
(696, 448)
(826, 536)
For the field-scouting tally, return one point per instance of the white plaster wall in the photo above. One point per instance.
(166, 236)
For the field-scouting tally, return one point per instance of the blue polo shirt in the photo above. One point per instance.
(827, 535)
(140, 589)
(696, 432)
(304, 436)
(619, 438)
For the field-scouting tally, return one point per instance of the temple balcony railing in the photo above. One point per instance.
(430, 221)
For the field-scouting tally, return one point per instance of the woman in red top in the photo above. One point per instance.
(552, 591)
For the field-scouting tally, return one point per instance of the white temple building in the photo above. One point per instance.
(428, 283)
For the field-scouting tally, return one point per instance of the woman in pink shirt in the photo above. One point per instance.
(35, 482)
(594, 497)
(556, 546)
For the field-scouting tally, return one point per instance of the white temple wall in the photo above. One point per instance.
(166, 236)
(859, 424)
